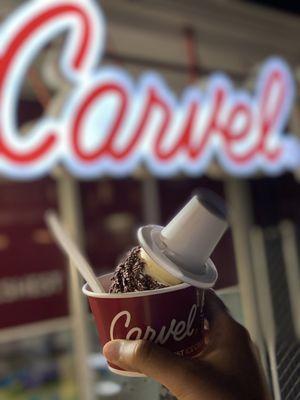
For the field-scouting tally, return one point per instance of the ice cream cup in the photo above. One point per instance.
(171, 317)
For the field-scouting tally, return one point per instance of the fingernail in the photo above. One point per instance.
(112, 350)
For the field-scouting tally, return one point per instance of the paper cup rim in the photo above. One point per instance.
(142, 293)
(126, 373)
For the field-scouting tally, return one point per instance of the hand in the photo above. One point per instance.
(227, 369)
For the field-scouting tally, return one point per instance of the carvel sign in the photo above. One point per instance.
(110, 124)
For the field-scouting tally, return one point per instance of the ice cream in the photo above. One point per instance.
(137, 271)
(131, 276)
(176, 253)
(156, 272)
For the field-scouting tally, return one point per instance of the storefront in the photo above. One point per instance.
(220, 112)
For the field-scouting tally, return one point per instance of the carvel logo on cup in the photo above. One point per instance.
(178, 330)
(171, 317)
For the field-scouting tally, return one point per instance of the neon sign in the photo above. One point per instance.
(110, 124)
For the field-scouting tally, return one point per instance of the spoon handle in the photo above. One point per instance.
(71, 250)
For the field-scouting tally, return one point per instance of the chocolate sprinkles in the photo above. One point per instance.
(129, 275)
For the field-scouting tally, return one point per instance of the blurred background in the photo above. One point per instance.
(48, 344)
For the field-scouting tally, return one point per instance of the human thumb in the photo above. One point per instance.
(149, 359)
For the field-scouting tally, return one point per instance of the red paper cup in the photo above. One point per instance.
(171, 317)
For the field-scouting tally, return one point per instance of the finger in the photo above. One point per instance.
(214, 307)
(222, 327)
(178, 374)
(149, 359)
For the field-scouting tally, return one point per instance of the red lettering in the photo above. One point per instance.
(108, 147)
(250, 133)
(233, 133)
(155, 100)
(10, 57)
(213, 126)
(270, 110)
(183, 139)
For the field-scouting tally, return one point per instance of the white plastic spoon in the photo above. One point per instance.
(69, 247)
